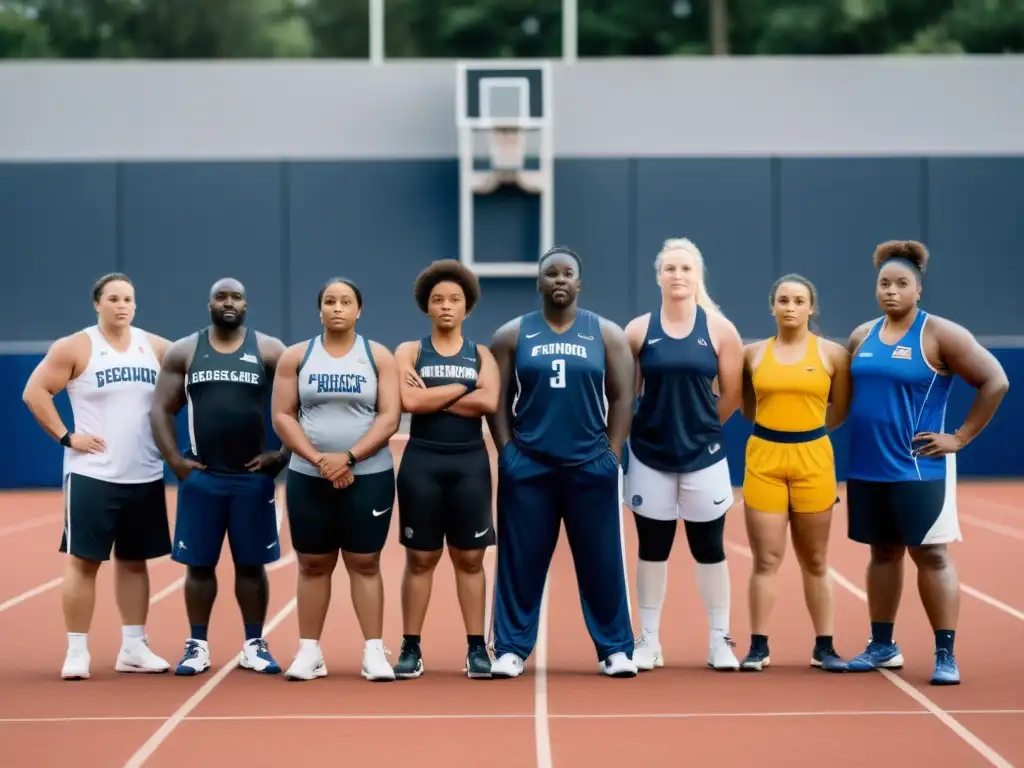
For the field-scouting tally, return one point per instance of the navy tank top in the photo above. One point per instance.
(559, 408)
(676, 426)
(226, 394)
(442, 429)
(896, 394)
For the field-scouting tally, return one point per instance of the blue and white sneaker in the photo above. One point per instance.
(827, 659)
(196, 658)
(946, 671)
(876, 656)
(256, 656)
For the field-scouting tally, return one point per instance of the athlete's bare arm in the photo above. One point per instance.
(839, 395)
(729, 348)
(751, 355)
(636, 332)
(417, 398)
(857, 337)
(270, 462)
(619, 384)
(284, 404)
(159, 344)
(63, 363)
(389, 405)
(168, 400)
(960, 353)
(483, 400)
(503, 348)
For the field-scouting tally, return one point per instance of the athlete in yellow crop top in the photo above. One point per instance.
(796, 389)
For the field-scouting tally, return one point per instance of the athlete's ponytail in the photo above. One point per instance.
(702, 297)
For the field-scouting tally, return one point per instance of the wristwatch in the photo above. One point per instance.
(351, 459)
(66, 440)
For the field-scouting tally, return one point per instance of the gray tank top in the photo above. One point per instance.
(338, 403)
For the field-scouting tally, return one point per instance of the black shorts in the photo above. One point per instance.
(445, 495)
(128, 518)
(912, 514)
(324, 519)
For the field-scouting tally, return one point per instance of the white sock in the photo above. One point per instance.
(651, 583)
(713, 584)
(309, 646)
(131, 634)
(78, 641)
(375, 645)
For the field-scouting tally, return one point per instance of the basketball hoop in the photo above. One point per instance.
(508, 146)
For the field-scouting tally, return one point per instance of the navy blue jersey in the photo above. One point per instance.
(443, 428)
(896, 394)
(676, 426)
(559, 410)
(226, 394)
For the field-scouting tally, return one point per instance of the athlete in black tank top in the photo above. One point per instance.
(224, 374)
(444, 480)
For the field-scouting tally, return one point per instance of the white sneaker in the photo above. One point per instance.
(256, 656)
(137, 657)
(720, 655)
(196, 658)
(507, 666)
(308, 665)
(619, 665)
(647, 653)
(76, 665)
(376, 666)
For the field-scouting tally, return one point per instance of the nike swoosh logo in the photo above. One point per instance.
(531, 335)
(378, 514)
(271, 545)
(481, 533)
(653, 341)
(721, 501)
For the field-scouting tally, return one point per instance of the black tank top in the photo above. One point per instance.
(441, 429)
(226, 395)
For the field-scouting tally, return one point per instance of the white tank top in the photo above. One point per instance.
(111, 399)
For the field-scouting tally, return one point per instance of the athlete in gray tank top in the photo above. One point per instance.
(337, 405)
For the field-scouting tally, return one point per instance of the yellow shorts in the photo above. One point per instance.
(789, 477)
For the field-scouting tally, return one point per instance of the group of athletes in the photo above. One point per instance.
(583, 414)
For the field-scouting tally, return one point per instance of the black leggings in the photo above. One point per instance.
(655, 538)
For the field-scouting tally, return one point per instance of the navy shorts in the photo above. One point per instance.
(912, 514)
(212, 505)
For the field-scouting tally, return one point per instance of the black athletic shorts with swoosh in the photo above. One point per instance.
(444, 493)
(324, 519)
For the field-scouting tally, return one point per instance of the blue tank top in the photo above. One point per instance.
(676, 426)
(896, 394)
(559, 410)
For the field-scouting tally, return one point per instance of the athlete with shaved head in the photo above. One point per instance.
(224, 373)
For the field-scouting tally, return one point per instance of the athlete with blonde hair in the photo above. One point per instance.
(677, 467)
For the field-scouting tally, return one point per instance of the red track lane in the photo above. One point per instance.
(683, 711)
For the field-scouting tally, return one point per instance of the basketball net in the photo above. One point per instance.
(507, 150)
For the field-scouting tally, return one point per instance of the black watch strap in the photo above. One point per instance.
(66, 440)
(351, 459)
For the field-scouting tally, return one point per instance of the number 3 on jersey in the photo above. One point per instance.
(558, 380)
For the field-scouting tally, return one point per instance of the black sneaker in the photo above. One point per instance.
(410, 661)
(478, 663)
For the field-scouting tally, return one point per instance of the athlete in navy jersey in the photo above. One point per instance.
(224, 374)
(901, 485)
(448, 384)
(676, 467)
(564, 410)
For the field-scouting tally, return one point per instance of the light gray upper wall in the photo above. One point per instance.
(603, 108)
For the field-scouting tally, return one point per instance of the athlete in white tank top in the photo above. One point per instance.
(112, 398)
(113, 472)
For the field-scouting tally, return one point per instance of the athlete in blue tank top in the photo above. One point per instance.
(565, 406)
(676, 466)
(901, 491)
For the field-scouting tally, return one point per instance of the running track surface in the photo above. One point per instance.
(560, 713)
